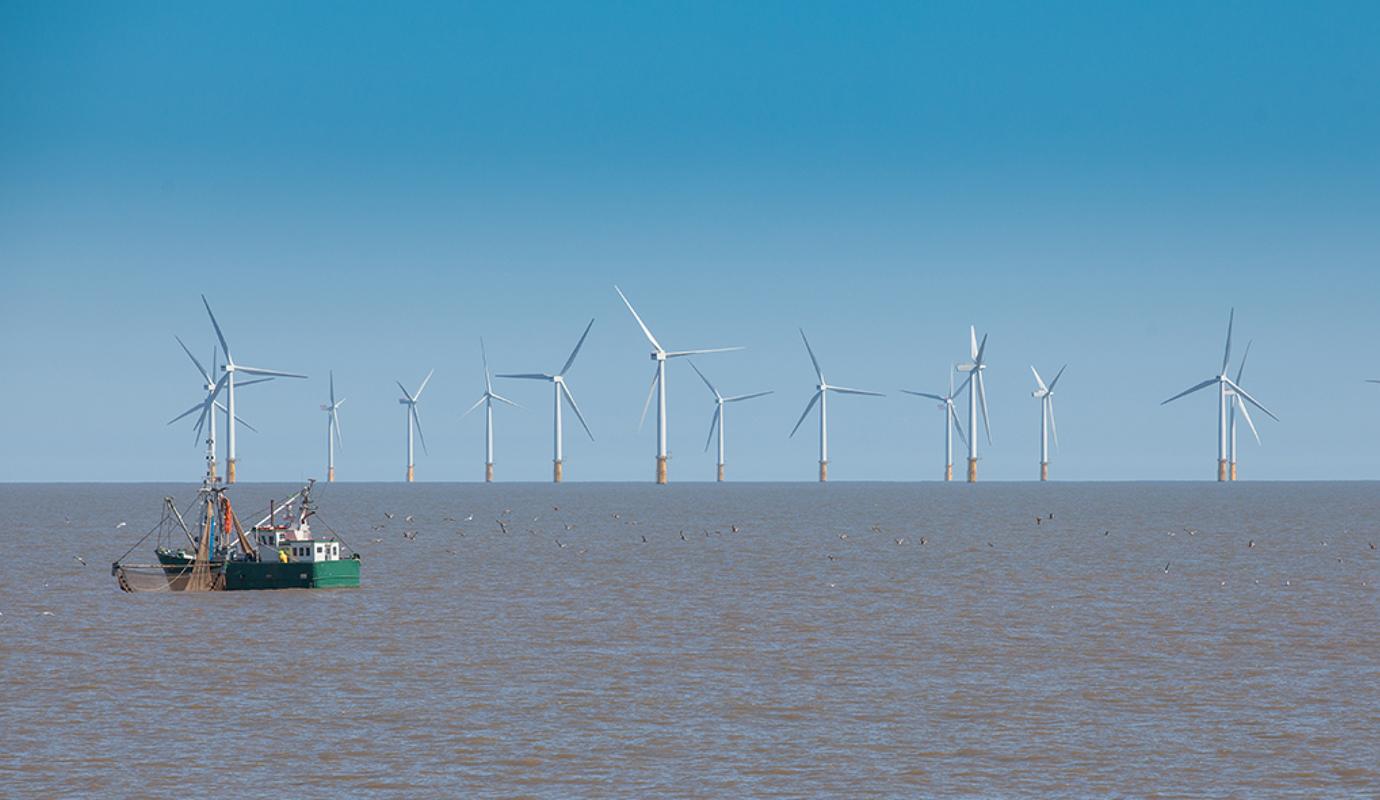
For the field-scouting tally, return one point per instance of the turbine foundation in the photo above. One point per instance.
(721, 473)
(1044, 470)
(556, 471)
(230, 471)
(948, 472)
(1221, 469)
(330, 474)
(823, 471)
(489, 472)
(1233, 470)
(409, 473)
(972, 470)
(661, 469)
(211, 469)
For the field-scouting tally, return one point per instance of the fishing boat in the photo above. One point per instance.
(281, 551)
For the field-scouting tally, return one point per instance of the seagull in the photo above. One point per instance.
(1104, 533)
(409, 517)
(502, 525)
(1051, 515)
(922, 540)
(1251, 543)
(410, 535)
(1191, 531)
(82, 560)
(734, 528)
(1372, 545)
(121, 525)
(843, 536)
(900, 541)
(616, 515)
(1037, 519)
(682, 536)
(644, 538)
(470, 518)
(388, 514)
(377, 541)
(1166, 567)
(559, 544)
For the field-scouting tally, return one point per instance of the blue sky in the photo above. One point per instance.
(370, 189)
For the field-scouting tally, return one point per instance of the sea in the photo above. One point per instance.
(699, 640)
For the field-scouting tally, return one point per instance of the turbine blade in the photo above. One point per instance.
(1054, 429)
(1241, 369)
(484, 356)
(534, 376)
(403, 389)
(332, 388)
(417, 420)
(576, 351)
(1250, 399)
(198, 407)
(958, 426)
(573, 407)
(982, 350)
(422, 388)
(813, 360)
(335, 423)
(1226, 354)
(269, 372)
(500, 398)
(682, 353)
(982, 398)
(713, 423)
(972, 342)
(648, 404)
(1057, 375)
(806, 412)
(1247, 416)
(242, 384)
(712, 390)
(655, 344)
(923, 394)
(845, 390)
(200, 368)
(1191, 390)
(245, 424)
(736, 398)
(224, 348)
(477, 404)
(1038, 381)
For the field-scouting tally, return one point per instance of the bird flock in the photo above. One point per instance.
(226, 377)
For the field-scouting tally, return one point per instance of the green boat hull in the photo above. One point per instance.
(256, 575)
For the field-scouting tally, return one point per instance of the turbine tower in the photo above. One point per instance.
(486, 400)
(977, 392)
(410, 401)
(332, 430)
(951, 423)
(1045, 394)
(1224, 386)
(660, 355)
(821, 396)
(231, 369)
(560, 390)
(718, 420)
(209, 405)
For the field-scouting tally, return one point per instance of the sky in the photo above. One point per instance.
(368, 189)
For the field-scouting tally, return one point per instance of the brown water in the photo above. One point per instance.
(998, 658)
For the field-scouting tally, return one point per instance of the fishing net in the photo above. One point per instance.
(157, 578)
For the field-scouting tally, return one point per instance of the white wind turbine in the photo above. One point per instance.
(562, 394)
(977, 392)
(410, 401)
(209, 405)
(1224, 386)
(1045, 394)
(821, 396)
(486, 400)
(951, 423)
(718, 420)
(231, 368)
(332, 430)
(660, 355)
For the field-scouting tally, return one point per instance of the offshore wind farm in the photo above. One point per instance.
(1011, 427)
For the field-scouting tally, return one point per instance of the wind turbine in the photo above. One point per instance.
(1045, 394)
(487, 400)
(951, 423)
(410, 400)
(659, 355)
(560, 390)
(332, 430)
(208, 405)
(718, 421)
(231, 368)
(977, 391)
(1237, 404)
(821, 396)
(1224, 385)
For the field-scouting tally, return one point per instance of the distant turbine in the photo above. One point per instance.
(1237, 404)
(659, 355)
(560, 389)
(332, 430)
(1224, 385)
(230, 369)
(821, 396)
(718, 420)
(951, 423)
(410, 400)
(486, 400)
(977, 391)
(1045, 394)
(209, 405)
